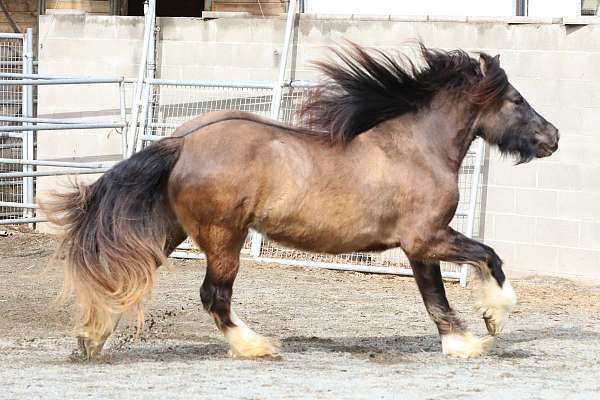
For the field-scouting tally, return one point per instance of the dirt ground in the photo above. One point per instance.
(344, 336)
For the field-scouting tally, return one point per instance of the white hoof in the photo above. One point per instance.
(245, 343)
(495, 304)
(465, 345)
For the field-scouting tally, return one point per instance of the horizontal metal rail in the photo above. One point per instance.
(11, 35)
(48, 120)
(56, 127)
(228, 84)
(52, 173)
(22, 221)
(48, 163)
(301, 84)
(70, 81)
(152, 138)
(38, 76)
(17, 205)
(14, 135)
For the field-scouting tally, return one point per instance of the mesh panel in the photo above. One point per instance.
(11, 189)
(173, 105)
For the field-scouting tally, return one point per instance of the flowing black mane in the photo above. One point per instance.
(370, 86)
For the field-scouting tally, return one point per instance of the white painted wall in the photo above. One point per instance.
(554, 8)
(499, 8)
(412, 7)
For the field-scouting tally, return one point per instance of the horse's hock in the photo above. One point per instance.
(538, 217)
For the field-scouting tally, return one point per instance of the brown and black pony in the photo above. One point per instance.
(379, 170)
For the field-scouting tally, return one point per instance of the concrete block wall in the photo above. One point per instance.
(542, 217)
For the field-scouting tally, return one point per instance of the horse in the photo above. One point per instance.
(375, 167)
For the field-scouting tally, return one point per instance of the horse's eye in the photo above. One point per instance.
(518, 101)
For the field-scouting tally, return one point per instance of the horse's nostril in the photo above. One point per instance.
(555, 146)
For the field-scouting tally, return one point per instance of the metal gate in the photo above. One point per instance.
(16, 101)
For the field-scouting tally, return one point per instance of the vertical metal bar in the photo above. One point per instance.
(289, 29)
(28, 136)
(256, 244)
(41, 5)
(479, 149)
(137, 97)
(150, 70)
(123, 109)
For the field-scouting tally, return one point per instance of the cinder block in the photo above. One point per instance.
(62, 26)
(488, 226)
(590, 124)
(590, 235)
(578, 262)
(506, 251)
(579, 65)
(186, 29)
(257, 55)
(574, 94)
(534, 258)
(535, 202)
(272, 32)
(130, 27)
(582, 38)
(579, 205)
(536, 37)
(229, 30)
(558, 232)
(514, 228)
(175, 53)
(502, 172)
(559, 176)
(578, 149)
(500, 199)
(99, 27)
(591, 178)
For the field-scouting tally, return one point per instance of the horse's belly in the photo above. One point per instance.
(339, 229)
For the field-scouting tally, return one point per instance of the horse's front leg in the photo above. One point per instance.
(496, 295)
(456, 338)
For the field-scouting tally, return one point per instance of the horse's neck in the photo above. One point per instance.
(445, 130)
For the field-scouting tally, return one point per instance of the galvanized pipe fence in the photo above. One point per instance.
(158, 106)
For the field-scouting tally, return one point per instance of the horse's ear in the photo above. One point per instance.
(485, 62)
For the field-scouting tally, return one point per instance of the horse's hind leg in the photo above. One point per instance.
(90, 346)
(91, 340)
(222, 249)
(456, 339)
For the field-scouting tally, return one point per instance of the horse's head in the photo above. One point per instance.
(509, 121)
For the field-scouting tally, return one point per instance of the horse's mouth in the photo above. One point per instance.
(545, 150)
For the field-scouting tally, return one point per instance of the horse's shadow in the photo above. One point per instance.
(382, 349)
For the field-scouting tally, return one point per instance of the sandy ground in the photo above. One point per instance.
(344, 336)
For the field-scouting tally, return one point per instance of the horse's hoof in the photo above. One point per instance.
(258, 347)
(87, 350)
(465, 345)
(495, 305)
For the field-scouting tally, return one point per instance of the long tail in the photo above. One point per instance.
(114, 236)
